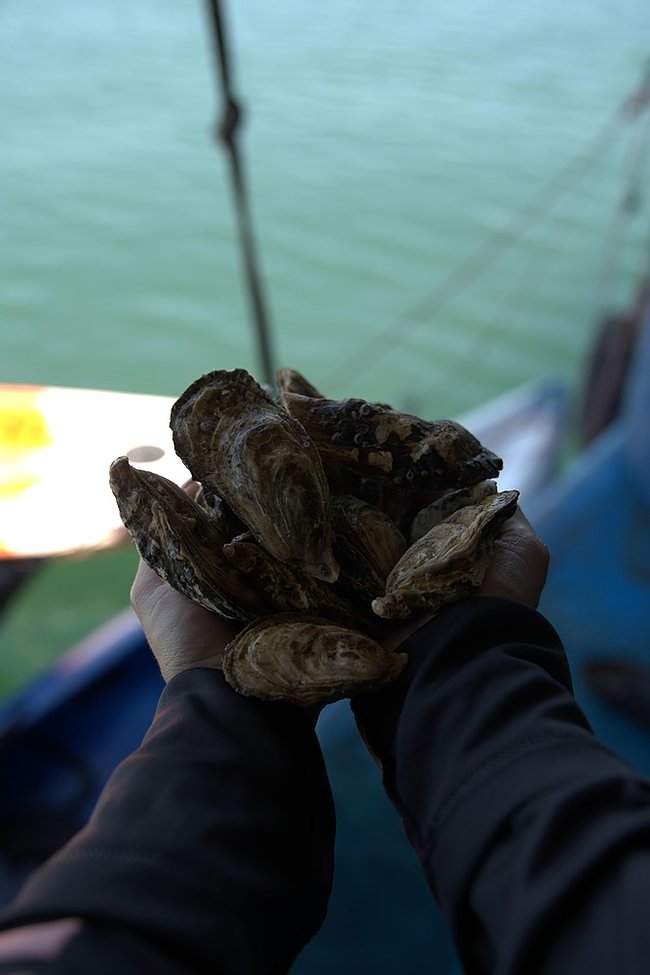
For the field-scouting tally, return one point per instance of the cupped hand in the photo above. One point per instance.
(181, 634)
(518, 567)
(517, 570)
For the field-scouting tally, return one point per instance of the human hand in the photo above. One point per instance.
(518, 568)
(181, 634)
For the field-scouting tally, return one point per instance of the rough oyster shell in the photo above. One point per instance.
(288, 588)
(430, 516)
(291, 381)
(268, 518)
(234, 438)
(367, 544)
(448, 562)
(182, 542)
(400, 504)
(370, 439)
(229, 524)
(306, 660)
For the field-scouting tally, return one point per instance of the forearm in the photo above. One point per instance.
(530, 831)
(212, 844)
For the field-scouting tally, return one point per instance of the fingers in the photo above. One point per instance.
(145, 587)
(516, 571)
(191, 487)
(181, 634)
(519, 565)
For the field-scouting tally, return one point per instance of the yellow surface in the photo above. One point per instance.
(24, 432)
(56, 445)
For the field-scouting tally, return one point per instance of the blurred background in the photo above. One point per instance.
(386, 145)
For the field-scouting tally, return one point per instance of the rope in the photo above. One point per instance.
(515, 227)
(227, 133)
(629, 206)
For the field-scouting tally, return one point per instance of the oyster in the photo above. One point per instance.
(430, 516)
(306, 660)
(448, 562)
(182, 542)
(289, 492)
(229, 523)
(400, 504)
(371, 440)
(367, 544)
(291, 381)
(236, 440)
(287, 587)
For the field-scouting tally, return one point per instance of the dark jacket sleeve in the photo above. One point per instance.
(533, 836)
(210, 849)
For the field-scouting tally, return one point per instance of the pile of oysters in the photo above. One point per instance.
(317, 521)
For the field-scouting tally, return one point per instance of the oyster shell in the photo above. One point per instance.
(290, 491)
(367, 544)
(305, 660)
(236, 440)
(288, 588)
(228, 522)
(400, 504)
(430, 516)
(371, 440)
(182, 542)
(448, 562)
(291, 381)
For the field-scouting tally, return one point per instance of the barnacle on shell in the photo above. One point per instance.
(306, 660)
(371, 440)
(233, 437)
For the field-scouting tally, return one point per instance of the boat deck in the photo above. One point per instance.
(596, 523)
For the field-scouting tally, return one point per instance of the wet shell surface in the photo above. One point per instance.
(367, 544)
(300, 523)
(431, 515)
(287, 587)
(306, 660)
(182, 542)
(448, 562)
(235, 439)
(372, 440)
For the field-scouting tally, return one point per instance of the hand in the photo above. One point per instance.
(518, 568)
(181, 634)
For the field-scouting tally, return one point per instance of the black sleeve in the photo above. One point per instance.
(533, 836)
(210, 849)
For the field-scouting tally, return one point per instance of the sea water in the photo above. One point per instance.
(384, 143)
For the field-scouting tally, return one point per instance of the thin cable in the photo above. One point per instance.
(515, 227)
(227, 132)
(629, 205)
